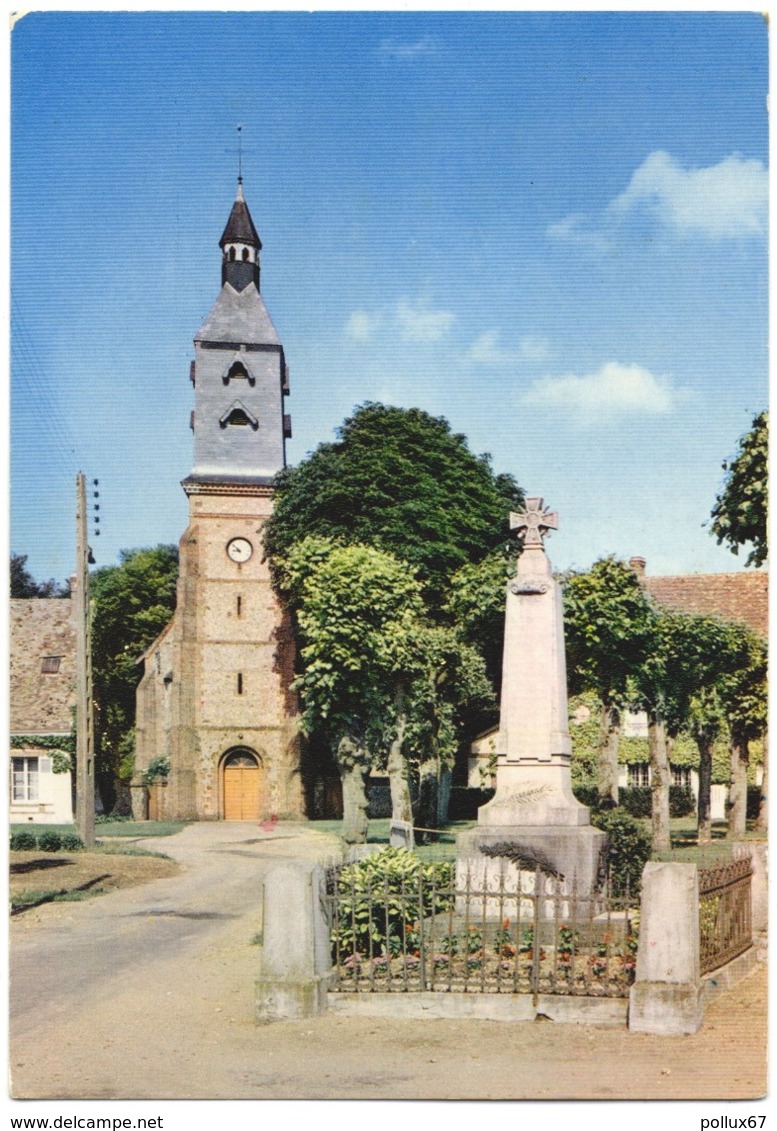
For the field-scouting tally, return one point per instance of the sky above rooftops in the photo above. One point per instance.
(549, 228)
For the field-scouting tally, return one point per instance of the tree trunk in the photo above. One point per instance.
(609, 737)
(737, 798)
(762, 821)
(399, 778)
(659, 787)
(704, 830)
(351, 759)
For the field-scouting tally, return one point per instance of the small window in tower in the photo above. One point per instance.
(239, 606)
(50, 665)
(237, 372)
(245, 254)
(232, 254)
(240, 683)
(239, 415)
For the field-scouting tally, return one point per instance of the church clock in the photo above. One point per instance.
(239, 549)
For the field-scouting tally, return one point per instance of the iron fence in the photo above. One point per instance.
(497, 930)
(725, 918)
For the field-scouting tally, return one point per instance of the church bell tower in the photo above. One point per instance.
(215, 698)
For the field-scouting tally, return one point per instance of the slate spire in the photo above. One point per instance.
(240, 245)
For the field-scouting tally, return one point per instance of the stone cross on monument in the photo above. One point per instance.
(536, 520)
(534, 809)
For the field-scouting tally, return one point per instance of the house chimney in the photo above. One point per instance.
(638, 565)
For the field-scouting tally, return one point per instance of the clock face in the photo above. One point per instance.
(239, 549)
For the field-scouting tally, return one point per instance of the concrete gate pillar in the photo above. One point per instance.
(667, 996)
(294, 965)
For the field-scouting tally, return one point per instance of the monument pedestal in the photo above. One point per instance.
(571, 854)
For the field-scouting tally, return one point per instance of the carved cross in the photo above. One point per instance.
(536, 520)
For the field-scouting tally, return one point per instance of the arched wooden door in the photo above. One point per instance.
(242, 791)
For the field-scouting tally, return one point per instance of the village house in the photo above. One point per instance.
(42, 703)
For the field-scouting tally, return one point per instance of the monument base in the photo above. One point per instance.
(562, 852)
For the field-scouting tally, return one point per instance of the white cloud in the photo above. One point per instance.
(534, 349)
(615, 391)
(486, 350)
(727, 199)
(419, 324)
(574, 229)
(426, 45)
(361, 325)
(721, 201)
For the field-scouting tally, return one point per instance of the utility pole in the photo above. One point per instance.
(84, 707)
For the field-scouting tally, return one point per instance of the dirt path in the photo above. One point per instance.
(167, 1012)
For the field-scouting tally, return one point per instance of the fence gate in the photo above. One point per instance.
(501, 930)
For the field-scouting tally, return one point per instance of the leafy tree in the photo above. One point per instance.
(697, 654)
(706, 723)
(400, 480)
(449, 685)
(739, 516)
(608, 624)
(743, 694)
(475, 603)
(23, 584)
(358, 610)
(131, 604)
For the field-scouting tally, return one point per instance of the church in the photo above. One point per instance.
(217, 732)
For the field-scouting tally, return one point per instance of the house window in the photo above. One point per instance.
(24, 779)
(639, 776)
(681, 775)
(240, 683)
(50, 665)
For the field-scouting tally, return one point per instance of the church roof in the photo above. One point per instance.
(239, 316)
(240, 227)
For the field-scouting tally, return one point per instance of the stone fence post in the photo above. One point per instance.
(294, 964)
(667, 996)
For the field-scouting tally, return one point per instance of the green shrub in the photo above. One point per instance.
(382, 897)
(23, 841)
(753, 801)
(465, 801)
(49, 842)
(71, 842)
(636, 800)
(587, 795)
(681, 801)
(629, 849)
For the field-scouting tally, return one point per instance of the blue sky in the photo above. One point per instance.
(549, 228)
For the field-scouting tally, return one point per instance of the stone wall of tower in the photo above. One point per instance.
(190, 707)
